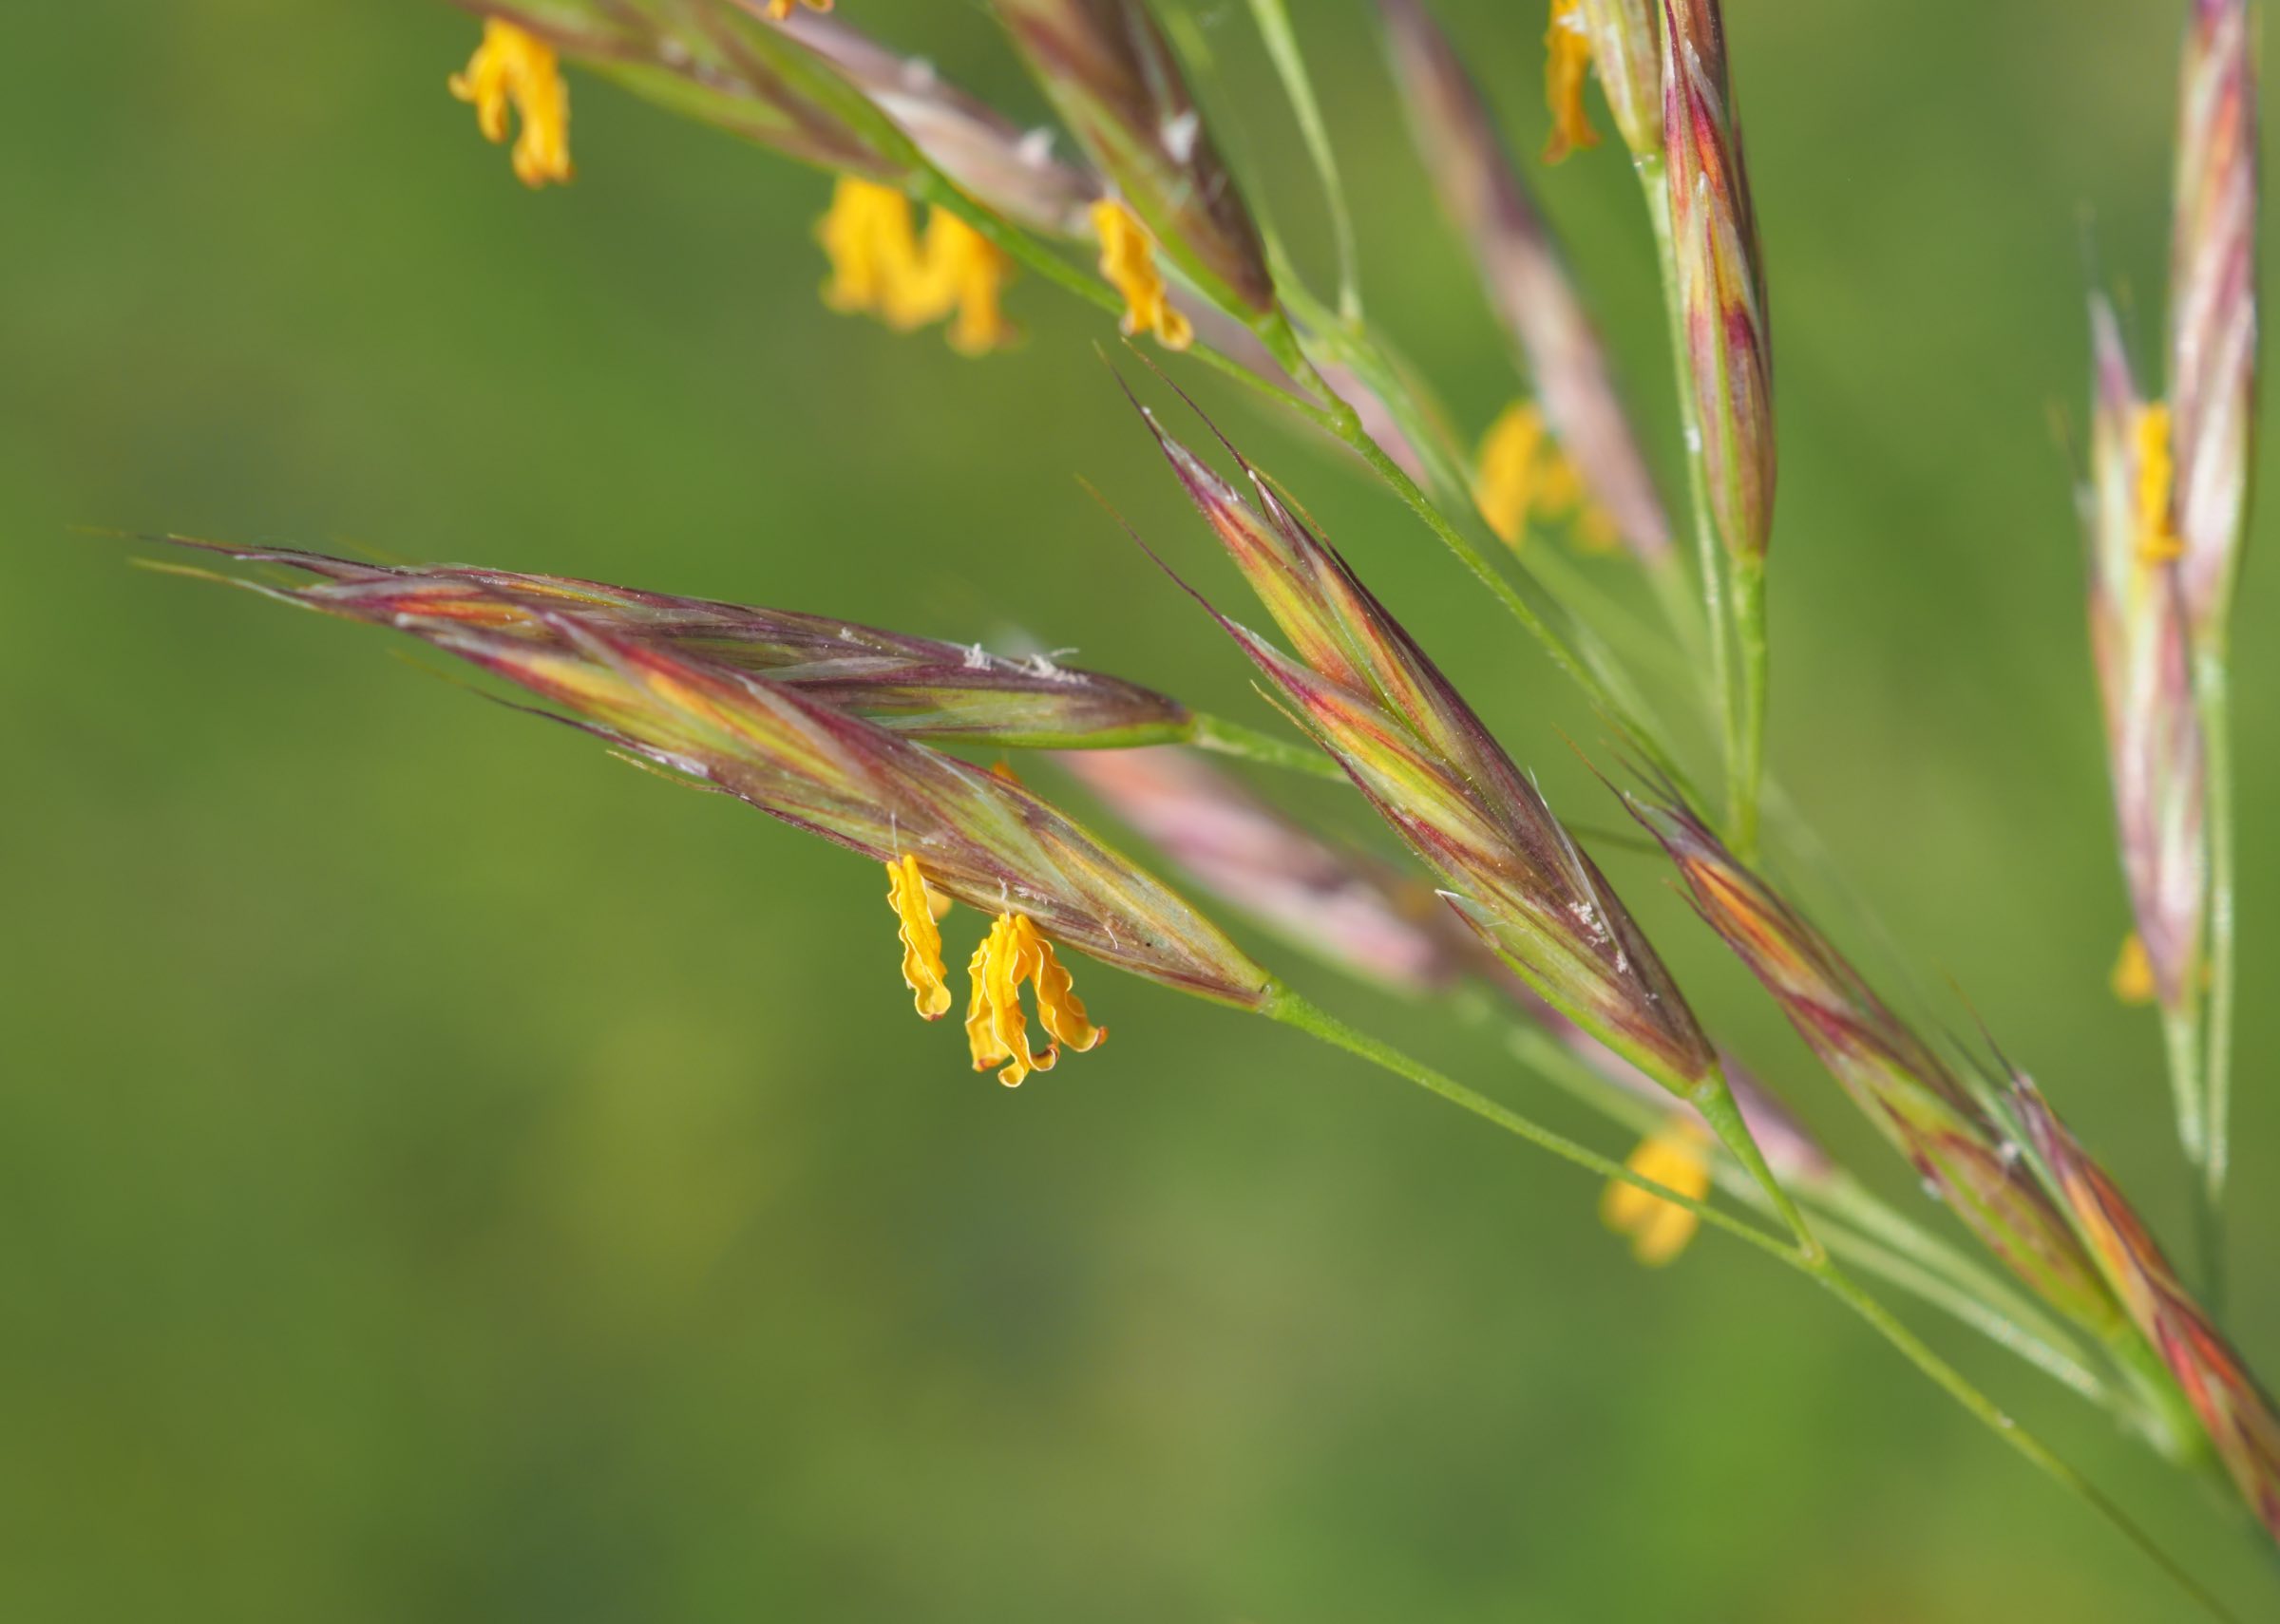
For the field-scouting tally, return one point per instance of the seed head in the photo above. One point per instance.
(916, 687)
(1900, 1083)
(979, 838)
(2242, 1424)
(1722, 279)
(1364, 690)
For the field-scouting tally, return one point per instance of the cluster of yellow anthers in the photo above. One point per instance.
(1678, 1157)
(879, 267)
(514, 68)
(1013, 951)
(1567, 66)
(1523, 475)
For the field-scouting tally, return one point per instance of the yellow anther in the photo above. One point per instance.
(878, 267)
(873, 249)
(969, 274)
(1676, 1156)
(997, 1030)
(1504, 484)
(2133, 978)
(2157, 540)
(1059, 1007)
(779, 10)
(1521, 474)
(1128, 259)
(1567, 66)
(915, 904)
(514, 68)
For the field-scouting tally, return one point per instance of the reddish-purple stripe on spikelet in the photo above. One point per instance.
(1897, 1080)
(1722, 279)
(2212, 325)
(979, 838)
(1372, 698)
(2238, 1415)
(1113, 77)
(916, 686)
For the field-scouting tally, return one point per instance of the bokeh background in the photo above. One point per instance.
(445, 1174)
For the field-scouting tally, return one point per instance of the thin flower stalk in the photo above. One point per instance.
(1367, 918)
(1521, 267)
(2242, 1424)
(1815, 1264)
(1363, 691)
(2139, 640)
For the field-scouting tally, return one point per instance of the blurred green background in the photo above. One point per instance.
(443, 1175)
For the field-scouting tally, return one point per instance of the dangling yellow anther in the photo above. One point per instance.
(1676, 1156)
(874, 252)
(779, 10)
(1059, 1007)
(1504, 483)
(915, 904)
(513, 68)
(997, 1030)
(969, 272)
(2157, 540)
(878, 267)
(2133, 978)
(1128, 259)
(1567, 66)
(1521, 474)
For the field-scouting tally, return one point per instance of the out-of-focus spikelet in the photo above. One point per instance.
(1011, 170)
(2213, 303)
(2139, 638)
(1520, 264)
